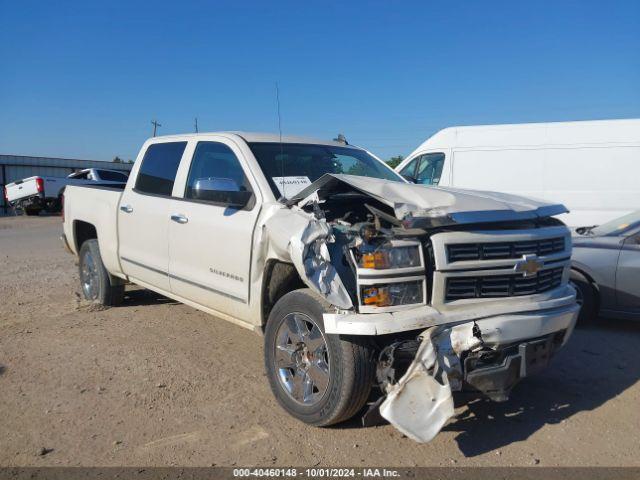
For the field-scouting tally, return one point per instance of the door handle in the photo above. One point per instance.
(126, 208)
(179, 218)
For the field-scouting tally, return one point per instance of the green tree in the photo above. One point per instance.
(117, 160)
(393, 162)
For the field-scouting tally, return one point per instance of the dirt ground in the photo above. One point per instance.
(157, 383)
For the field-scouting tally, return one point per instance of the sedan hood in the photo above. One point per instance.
(422, 206)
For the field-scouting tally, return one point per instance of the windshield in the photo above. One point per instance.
(290, 167)
(619, 225)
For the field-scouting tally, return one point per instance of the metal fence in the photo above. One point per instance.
(17, 167)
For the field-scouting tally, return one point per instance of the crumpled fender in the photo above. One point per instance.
(302, 238)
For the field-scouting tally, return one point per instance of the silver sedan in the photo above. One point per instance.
(605, 268)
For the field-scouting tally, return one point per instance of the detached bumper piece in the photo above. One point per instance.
(496, 372)
(490, 355)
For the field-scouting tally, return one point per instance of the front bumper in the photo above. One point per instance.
(428, 316)
(490, 355)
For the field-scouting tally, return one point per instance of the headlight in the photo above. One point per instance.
(388, 256)
(392, 294)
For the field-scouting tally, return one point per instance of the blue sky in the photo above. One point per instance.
(84, 79)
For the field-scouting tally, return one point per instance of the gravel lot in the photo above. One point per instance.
(157, 383)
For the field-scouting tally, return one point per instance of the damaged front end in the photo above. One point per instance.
(458, 290)
(452, 359)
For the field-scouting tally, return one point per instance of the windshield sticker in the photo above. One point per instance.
(289, 186)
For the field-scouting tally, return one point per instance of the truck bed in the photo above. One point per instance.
(96, 205)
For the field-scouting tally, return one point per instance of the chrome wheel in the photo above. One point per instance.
(89, 277)
(302, 359)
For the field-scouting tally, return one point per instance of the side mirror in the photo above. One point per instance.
(220, 190)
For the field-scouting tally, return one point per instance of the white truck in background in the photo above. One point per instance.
(592, 167)
(34, 194)
(358, 279)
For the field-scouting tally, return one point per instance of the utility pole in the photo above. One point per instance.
(155, 126)
(196, 124)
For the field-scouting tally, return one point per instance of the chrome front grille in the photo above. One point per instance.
(503, 250)
(492, 286)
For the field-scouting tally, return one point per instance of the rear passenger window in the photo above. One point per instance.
(112, 176)
(215, 174)
(159, 166)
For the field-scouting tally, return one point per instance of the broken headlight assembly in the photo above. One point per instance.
(390, 275)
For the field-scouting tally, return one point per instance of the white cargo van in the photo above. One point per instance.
(592, 167)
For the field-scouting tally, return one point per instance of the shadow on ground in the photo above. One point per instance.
(597, 364)
(139, 297)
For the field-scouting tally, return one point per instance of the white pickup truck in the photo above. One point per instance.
(35, 194)
(363, 285)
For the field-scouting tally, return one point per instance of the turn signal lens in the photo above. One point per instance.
(375, 296)
(377, 260)
(401, 293)
(387, 257)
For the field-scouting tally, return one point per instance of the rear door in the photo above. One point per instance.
(211, 228)
(143, 215)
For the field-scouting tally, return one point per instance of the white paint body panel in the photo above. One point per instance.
(591, 167)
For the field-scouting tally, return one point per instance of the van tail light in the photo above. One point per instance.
(40, 185)
(6, 194)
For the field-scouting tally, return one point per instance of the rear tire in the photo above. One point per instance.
(586, 297)
(31, 212)
(318, 378)
(95, 281)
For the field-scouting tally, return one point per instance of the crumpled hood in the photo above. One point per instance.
(420, 205)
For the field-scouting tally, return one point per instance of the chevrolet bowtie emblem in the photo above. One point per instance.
(528, 266)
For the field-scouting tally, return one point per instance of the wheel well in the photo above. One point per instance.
(83, 231)
(280, 278)
(591, 281)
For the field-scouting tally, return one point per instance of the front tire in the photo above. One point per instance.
(318, 378)
(586, 297)
(95, 281)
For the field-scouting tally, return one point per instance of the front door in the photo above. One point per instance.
(628, 275)
(143, 216)
(211, 231)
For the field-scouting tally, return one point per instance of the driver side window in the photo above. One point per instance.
(215, 174)
(430, 168)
